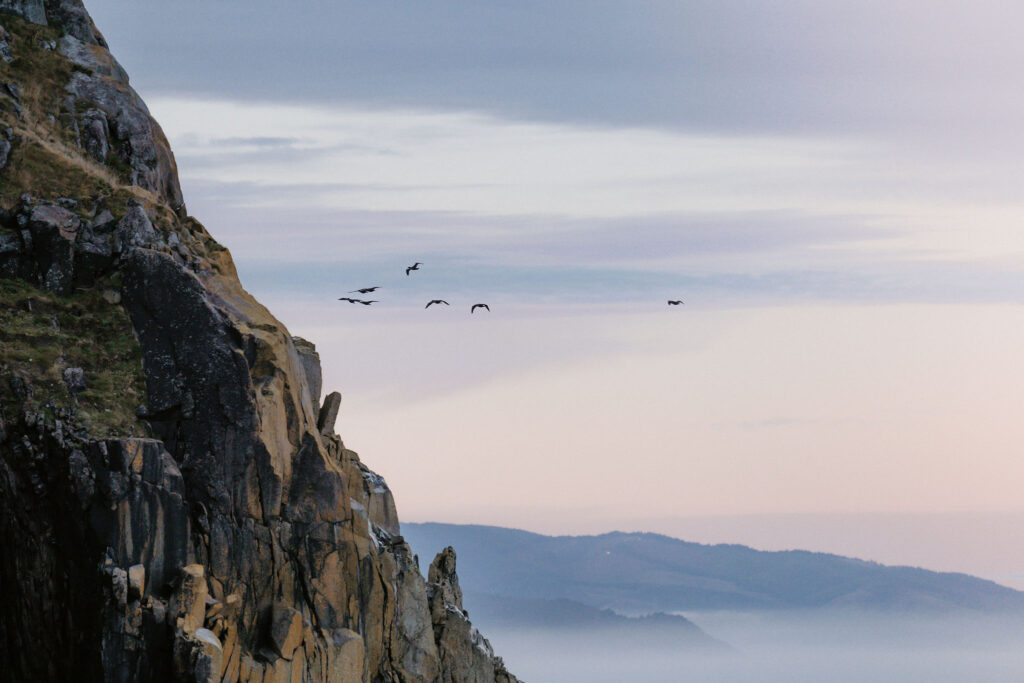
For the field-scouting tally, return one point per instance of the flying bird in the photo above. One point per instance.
(674, 303)
(367, 290)
(415, 266)
(436, 301)
(365, 303)
(473, 308)
(349, 299)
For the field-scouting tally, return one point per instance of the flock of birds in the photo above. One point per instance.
(432, 302)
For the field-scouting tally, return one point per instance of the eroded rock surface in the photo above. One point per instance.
(465, 654)
(223, 532)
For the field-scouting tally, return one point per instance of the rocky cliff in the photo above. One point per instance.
(174, 502)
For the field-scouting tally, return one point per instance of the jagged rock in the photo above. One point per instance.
(54, 248)
(311, 364)
(95, 134)
(136, 581)
(189, 601)
(11, 263)
(53, 231)
(5, 153)
(74, 380)
(231, 662)
(11, 90)
(135, 229)
(5, 51)
(443, 577)
(85, 54)
(94, 256)
(147, 151)
(378, 501)
(103, 222)
(285, 630)
(329, 413)
(119, 585)
(344, 655)
(416, 648)
(30, 10)
(82, 477)
(198, 656)
(208, 661)
(466, 656)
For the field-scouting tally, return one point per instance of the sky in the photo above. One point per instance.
(832, 188)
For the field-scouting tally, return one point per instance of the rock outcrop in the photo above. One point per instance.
(465, 654)
(175, 504)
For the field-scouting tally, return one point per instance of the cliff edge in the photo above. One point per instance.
(174, 502)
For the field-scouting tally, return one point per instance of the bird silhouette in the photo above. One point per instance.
(674, 303)
(367, 290)
(365, 303)
(473, 308)
(436, 301)
(415, 266)
(348, 299)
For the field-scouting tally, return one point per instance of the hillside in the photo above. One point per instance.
(175, 504)
(643, 573)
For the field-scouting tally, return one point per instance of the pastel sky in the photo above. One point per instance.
(834, 189)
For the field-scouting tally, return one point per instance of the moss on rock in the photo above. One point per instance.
(42, 334)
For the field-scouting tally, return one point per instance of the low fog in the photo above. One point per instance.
(783, 647)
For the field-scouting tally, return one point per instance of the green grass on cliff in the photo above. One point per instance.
(42, 173)
(39, 73)
(46, 161)
(41, 334)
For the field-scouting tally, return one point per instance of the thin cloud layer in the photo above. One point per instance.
(938, 74)
(586, 214)
(576, 163)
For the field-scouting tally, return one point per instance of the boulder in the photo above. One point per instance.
(188, 604)
(198, 656)
(285, 630)
(94, 256)
(74, 380)
(54, 231)
(95, 134)
(103, 222)
(135, 229)
(208, 657)
(29, 10)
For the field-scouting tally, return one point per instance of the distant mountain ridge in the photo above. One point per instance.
(501, 613)
(642, 573)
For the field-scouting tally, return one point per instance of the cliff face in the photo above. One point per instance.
(174, 502)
